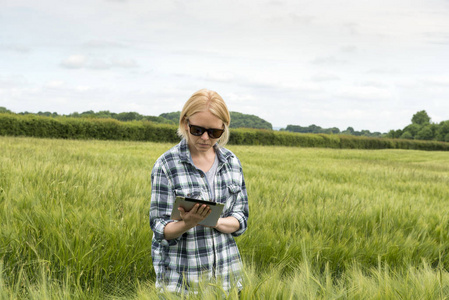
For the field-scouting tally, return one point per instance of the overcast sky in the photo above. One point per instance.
(366, 64)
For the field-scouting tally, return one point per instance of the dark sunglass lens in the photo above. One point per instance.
(196, 130)
(216, 133)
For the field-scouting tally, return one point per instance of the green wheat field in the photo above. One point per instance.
(324, 223)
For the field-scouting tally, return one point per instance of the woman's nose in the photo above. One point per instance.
(205, 136)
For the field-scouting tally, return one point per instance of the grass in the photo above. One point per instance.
(324, 223)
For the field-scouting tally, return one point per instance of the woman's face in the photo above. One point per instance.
(203, 143)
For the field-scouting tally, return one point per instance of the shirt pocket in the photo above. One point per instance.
(234, 188)
(194, 193)
(231, 194)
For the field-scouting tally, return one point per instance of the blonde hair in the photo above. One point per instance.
(203, 100)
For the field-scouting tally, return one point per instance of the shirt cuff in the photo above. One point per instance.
(242, 222)
(159, 234)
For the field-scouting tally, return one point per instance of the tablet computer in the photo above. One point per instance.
(188, 203)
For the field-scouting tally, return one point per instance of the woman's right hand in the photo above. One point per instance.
(189, 220)
(197, 214)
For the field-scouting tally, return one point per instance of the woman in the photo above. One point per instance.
(185, 253)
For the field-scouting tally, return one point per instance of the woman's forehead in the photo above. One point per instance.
(205, 119)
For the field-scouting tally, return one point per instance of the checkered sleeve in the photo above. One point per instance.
(240, 209)
(162, 199)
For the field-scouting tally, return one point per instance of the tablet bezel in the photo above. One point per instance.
(188, 203)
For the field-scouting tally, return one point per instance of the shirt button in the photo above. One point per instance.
(202, 175)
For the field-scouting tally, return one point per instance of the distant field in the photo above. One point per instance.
(324, 223)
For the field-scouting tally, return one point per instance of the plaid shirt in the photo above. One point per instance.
(201, 252)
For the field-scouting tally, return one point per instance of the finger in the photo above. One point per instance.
(209, 211)
(206, 212)
(195, 208)
(203, 210)
(200, 209)
(182, 212)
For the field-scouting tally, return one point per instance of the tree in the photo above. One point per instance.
(421, 118)
(160, 120)
(239, 120)
(442, 132)
(422, 129)
(365, 132)
(394, 134)
(172, 116)
(334, 130)
(88, 114)
(425, 133)
(406, 135)
(4, 110)
(349, 130)
(104, 114)
(413, 129)
(312, 129)
(128, 116)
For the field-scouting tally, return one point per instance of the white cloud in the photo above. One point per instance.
(383, 70)
(13, 81)
(328, 60)
(98, 64)
(352, 27)
(104, 44)
(74, 62)
(364, 93)
(348, 49)
(83, 88)
(375, 84)
(220, 76)
(54, 84)
(241, 99)
(324, 77)
(441, 81)
(123, 63)
(95, 63)
(15, 48)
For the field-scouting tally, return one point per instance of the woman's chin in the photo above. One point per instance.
(203, 147)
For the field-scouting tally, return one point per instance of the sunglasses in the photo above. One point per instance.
(199, 131)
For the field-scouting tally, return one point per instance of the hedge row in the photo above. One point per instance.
(76, 128)
(283, 138)
(109, 129)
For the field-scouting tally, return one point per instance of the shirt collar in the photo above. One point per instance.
(185, 156)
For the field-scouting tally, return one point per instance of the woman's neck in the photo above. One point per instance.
(203, 160)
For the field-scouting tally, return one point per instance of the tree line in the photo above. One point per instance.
(239, 120)
(109, 129)
(422, 128)
(334, 130)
